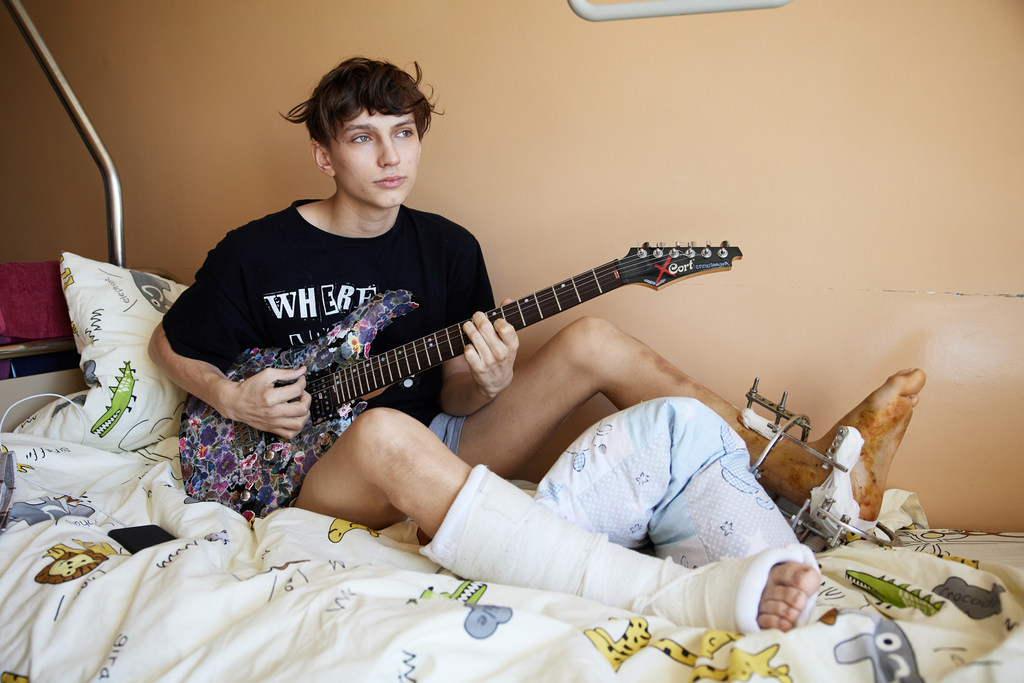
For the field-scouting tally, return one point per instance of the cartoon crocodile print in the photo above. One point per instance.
(468, 593)
(888, 592)
(119, 401)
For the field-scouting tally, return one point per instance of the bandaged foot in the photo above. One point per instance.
(881, 420)
(495, 532)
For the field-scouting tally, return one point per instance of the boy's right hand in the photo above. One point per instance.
(273, 400)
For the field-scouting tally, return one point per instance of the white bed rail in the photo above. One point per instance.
(664, 8)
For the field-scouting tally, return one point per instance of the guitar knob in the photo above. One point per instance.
(245, 496)
(706, 251)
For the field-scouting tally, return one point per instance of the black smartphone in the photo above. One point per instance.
(135, 538)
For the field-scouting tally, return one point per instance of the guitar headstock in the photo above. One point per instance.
(659, 265)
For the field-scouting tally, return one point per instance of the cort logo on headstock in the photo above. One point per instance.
(657, 266)
(670, 267)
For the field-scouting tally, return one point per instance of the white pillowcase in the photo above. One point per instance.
(130, 404)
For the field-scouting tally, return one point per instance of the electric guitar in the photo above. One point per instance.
(255, 472)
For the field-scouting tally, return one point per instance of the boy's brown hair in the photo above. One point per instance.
(360, 84)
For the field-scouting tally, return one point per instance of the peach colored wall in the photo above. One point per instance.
(866, 156)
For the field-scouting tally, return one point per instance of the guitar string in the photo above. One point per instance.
(364, 373)
(542, 299)
(363, 377)
(627, 267)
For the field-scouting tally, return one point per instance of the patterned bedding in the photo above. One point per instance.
(302, 596)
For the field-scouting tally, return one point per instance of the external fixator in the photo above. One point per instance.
(816, 516)
(825, 524)
(776, 431)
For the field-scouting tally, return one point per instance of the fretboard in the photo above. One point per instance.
(331, 389)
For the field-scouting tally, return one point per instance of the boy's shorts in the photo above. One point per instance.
(448, 428)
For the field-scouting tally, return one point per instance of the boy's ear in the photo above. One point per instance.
(322, 159)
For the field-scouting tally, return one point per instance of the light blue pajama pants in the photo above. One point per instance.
(667, 475)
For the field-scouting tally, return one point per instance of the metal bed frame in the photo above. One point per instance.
(111, 182)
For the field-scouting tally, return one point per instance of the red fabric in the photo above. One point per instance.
(32, 304)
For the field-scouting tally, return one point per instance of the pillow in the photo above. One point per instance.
(130, 403)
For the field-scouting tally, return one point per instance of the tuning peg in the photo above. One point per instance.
(706, 251)
(674, 251)
(658, 250)
(723, 252)
(641, 251)
(689, 253)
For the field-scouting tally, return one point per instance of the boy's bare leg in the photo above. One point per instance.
(384, 468)
(591, 356)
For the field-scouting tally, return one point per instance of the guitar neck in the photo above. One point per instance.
(333, 388)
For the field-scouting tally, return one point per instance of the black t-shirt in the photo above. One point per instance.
(280, 282)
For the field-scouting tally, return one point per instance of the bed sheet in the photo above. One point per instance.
(303, 596)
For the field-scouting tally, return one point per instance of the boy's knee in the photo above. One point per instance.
(380, 431)
(591, 326)
(588, 336)
(375, 419)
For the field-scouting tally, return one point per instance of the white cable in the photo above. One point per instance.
(81, 414)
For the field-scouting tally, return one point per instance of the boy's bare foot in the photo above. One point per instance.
(881, 418)
(790, 585)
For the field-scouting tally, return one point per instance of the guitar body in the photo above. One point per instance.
(254, 472)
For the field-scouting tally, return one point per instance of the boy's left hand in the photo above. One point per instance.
(491, 352)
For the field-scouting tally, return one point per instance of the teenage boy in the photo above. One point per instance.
(433, 449)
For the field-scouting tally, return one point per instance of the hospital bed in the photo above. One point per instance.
(297, 595)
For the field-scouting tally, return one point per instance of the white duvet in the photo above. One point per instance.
(299, 596)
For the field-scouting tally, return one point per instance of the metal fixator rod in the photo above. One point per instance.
(777, 409)
(780, 412)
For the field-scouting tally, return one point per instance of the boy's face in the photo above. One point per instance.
(373, 160)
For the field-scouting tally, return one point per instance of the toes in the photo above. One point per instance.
(769, 621)
(779, 614)
(794, 574)
(790, 587)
